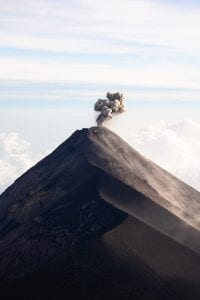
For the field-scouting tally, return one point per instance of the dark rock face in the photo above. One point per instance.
(91, 219)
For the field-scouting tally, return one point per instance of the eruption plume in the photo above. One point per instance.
(107, 107)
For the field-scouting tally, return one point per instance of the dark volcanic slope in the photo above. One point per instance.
(93, 183)
(51, 208)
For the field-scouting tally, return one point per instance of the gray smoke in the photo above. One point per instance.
(107, 107)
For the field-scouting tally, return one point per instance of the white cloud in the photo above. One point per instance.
(39, 24)
(60, 44)
(15, 158)
(173, 146)
(170, 75)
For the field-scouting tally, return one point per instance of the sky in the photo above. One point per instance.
(58, 57)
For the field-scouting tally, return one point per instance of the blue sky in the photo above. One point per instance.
(57, 57)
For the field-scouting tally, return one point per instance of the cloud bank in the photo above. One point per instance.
(173, 146)
(15, 158)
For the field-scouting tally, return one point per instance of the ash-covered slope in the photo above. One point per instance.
(111, 154)
(95, 184)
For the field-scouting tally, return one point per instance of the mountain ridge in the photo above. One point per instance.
(95, 189)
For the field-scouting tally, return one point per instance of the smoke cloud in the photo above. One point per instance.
(107, 107)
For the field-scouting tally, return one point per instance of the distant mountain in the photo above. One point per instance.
(98, 220)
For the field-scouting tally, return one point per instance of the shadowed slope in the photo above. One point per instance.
(52, 208)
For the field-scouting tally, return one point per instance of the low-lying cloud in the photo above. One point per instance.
(173, 146)
(15, 158)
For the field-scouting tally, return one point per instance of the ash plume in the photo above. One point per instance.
(114, 104)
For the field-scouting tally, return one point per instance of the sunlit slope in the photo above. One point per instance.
(115, 157)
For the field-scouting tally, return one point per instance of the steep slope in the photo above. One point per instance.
(111, 154)
(91, 184)
(51, 208)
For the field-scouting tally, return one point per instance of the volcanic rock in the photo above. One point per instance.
(96, 219)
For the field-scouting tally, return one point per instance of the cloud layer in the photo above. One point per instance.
(15, 158)
(173, 146)
(142, 42)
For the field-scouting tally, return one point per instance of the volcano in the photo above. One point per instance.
(95, 219)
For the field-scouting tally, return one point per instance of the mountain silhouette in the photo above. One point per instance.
(96, 219)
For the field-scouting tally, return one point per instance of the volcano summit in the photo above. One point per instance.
(98, 220)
